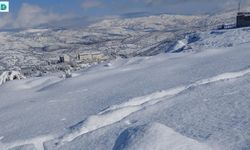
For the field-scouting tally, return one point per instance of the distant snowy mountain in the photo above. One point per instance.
(140, 36)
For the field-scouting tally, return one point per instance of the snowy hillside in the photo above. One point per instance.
(172, 82)
(33, 50)
(155, 136)
(195, 100)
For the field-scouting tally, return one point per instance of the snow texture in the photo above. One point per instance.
(155, 136)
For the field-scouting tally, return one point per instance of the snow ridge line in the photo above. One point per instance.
(118, 112)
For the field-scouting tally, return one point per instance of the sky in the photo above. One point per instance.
(29, 13)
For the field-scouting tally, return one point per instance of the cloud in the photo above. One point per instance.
(88, 4)
(153, 2)
(6, 20)
(158, 2)
(30, 16)
(193, 6)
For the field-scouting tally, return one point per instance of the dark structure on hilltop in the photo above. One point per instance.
(243, 19)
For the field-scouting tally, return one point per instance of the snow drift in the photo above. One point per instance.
(155, 136)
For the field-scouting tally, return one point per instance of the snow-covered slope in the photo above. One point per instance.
(195, 99)
(155, 136)
(199, 98)
(222, 38)
(33, 50)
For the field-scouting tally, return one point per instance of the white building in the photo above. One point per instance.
(64, 58)
(91, 56)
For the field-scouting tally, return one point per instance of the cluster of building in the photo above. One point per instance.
(243, 19)
(84, 57)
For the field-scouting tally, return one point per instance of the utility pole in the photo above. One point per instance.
(239, 7)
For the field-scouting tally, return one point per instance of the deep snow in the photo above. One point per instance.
(199, 98)
(155, 136)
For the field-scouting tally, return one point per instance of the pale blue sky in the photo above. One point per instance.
(27, 13)
(117, 7)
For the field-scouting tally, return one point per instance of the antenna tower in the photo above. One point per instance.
(239, 6)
